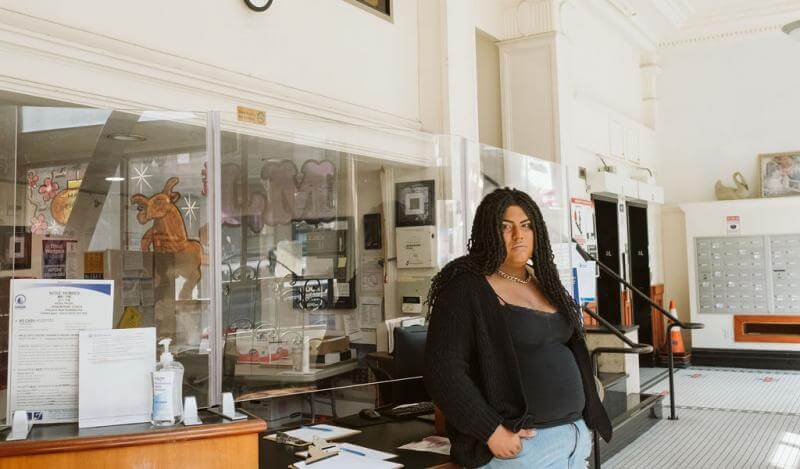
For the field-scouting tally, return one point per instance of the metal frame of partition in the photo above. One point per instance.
(214, 148)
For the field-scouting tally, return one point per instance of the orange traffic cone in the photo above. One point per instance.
(681, 357)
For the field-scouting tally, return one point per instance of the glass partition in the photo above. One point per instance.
(543, 180)
(323, 240)
(115, 195)
(289, 280)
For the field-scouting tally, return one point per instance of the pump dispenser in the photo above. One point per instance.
(167, 389)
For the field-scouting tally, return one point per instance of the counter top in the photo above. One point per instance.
(55, 438)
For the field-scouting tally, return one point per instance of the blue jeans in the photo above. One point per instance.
(566, 446)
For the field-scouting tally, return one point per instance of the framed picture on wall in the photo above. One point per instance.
(382, 8)
(780, 174)
(415, 203)
(15, 245)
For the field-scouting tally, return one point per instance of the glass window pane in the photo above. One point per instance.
(315, 259)
(122, 196)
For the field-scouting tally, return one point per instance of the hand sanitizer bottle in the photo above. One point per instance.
(167, 389)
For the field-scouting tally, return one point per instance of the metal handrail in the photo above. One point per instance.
(610, 271)
(635, 347)
(675, 322)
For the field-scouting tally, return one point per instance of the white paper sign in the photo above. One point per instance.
(733, 224)
(46, 317)
(115, 369)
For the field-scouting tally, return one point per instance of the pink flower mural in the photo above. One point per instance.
(33, 179)
(49, 189)
(39, 224)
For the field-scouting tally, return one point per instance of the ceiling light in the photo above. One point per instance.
(126, 137)
(115, 179)
(793, 30)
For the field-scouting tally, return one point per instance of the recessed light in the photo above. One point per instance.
(127, 137)
(115, 179)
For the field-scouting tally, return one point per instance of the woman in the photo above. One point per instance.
(506, 361)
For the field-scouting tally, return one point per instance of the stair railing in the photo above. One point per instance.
(675, 322)
(635, 347)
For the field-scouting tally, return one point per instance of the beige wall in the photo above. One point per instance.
(488, 64)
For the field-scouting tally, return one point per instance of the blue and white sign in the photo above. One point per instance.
(46, 317)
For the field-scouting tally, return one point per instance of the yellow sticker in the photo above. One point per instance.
(252, 116)
(130, 318)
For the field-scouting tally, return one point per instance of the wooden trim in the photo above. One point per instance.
(657, 321)
(626, 306)
(740, 358)
(740, 336)
(172, 435)
(588, 320)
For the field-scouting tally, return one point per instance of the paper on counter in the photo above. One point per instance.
(115, 366)
(430, 444)
(367, 452)
(348, 461)
(326, 432)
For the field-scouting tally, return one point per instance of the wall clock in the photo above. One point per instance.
(258, 5)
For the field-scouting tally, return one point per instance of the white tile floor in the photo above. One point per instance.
(727, 418)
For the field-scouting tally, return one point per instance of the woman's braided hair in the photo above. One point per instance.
(486, 251)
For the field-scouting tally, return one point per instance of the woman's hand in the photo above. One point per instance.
(506, 444)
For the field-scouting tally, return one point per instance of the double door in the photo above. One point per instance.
(622, 245)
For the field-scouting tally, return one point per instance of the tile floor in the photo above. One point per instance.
(727, 418)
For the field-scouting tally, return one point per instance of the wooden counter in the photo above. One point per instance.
(215, 444)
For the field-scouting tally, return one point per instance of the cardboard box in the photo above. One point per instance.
(330, 345)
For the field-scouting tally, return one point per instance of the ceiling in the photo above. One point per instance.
(669, 20)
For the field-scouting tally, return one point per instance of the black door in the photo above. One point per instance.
(608, 289)
(640, 270)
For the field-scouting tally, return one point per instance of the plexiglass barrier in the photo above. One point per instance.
(278, 256)
(93, 194)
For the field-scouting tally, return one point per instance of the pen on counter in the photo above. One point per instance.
(353, 451)
(322, 429)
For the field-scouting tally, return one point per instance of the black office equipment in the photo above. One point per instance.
(369, 414)
(372, 231)
(409, 362)
(409, 410)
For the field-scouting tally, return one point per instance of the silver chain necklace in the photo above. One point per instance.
(514, 277)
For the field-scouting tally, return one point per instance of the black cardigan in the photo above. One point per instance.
(472, 375)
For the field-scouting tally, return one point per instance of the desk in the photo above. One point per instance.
(216, 444)
(276, 374)
(384, 437)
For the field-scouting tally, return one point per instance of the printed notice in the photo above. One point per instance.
(115, 373)
(46, 317)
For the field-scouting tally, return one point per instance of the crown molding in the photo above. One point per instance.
(25, 34)
(720, 36)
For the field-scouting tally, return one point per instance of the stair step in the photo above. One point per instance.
(610, 379)
(631, 415)
(650, 376)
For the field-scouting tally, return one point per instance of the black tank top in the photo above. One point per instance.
(550, 375)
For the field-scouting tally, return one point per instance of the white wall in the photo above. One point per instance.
(721, 103)
(490, 127)
(707, 219)
(604, 80)
(325, 52)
